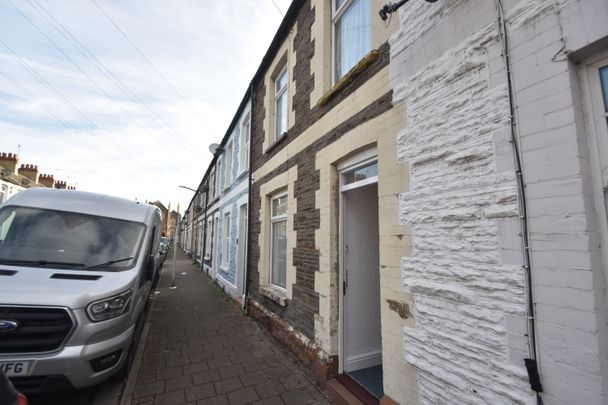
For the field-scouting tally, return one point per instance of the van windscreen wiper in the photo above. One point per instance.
(108, 263)
(39, 263)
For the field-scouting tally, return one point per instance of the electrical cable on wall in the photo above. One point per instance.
(531, 363)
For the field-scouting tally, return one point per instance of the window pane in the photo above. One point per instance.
(281, 81)
(604, 78)
(361, 173)
(279, 253)
(281, 115)
(353, 36)
(279, 206)
(339, 4)
(228, 174)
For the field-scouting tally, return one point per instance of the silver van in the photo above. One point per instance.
(76, 271)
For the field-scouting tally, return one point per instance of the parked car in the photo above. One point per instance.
(164, 245)
(76, 270)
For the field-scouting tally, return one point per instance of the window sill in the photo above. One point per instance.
(367, 60)
(274, 295)
(241, 174)
(276, 142)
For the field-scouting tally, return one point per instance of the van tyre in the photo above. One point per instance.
(156, 280)
(123, 371)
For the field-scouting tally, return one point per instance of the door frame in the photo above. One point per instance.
(242, 246)
(596, 128)
(358, 160)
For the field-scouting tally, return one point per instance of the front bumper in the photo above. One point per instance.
(71, 364)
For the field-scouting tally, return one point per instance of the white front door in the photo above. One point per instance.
(361, 345)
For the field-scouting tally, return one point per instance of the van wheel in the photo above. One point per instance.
(156, 280)
(123, 371)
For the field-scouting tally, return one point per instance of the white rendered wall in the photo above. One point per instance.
(465, 270)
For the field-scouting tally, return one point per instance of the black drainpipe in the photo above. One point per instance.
(248, 247)
(205, 190)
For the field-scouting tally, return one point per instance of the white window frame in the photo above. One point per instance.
(244, 144)
(336, 15)
(229, 158)
(212, 183)
(597, 132)
(226, 223)
(215, 250)
(275, 219)
(199, 249)
(277, 95)
(218, 177)
(209, 227)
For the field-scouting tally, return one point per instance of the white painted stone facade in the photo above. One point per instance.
(465, 273)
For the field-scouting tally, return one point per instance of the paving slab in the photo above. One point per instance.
(201, 349)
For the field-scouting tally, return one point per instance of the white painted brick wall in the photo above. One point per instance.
(464, 292)
(465, 271)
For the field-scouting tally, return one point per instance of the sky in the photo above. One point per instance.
(124, 97)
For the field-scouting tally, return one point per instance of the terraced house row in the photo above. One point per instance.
(411, 197)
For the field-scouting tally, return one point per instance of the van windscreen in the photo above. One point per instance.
(36, 237)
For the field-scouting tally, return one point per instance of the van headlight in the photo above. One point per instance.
(109, 308)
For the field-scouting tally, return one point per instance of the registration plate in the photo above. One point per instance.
(16, 368)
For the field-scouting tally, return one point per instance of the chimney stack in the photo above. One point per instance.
(9, 161)
(61, 185)
(47, 180)
(29, 171)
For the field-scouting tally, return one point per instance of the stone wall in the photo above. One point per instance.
(465, 271)
(459, 201)
(280, 157)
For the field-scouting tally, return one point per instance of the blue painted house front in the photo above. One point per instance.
(223, 239)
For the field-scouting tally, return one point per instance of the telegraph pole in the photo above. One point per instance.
(175, 238)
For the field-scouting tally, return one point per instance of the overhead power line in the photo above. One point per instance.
(64, 100)
(63, 122)
(77, 46)
(124, 88)
(79, 112)
(149, 62)
(278, 9)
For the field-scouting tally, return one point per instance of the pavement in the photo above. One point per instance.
(198, 348)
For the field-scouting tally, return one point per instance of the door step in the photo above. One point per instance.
(343, 390)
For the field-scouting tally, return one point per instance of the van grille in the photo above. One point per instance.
(39, 329)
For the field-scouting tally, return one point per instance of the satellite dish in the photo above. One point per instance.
(213, 147)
